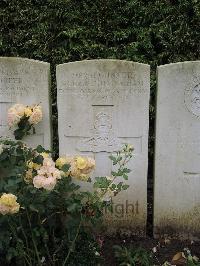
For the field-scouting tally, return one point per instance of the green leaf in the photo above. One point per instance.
(101, 182)
(4, 155)
(114, 173)
(19, 134)
(65, 167)
(24, 124)
(40, 149)
(125, 187)
(39, 159)
(119, 186)
(112, 158)
(113, 186)
(126, 170)
(125, 176)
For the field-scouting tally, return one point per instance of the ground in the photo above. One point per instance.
(165, 252)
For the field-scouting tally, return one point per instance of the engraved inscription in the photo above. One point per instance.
(192, 99)
(101, 83)
(10, 80)
(4, 106)
(16, 79)
(18, 91)
(14, 86)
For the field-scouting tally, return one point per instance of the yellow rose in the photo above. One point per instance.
(19, 109)
(91, 163)
(33, 165)
(28, 111)
(15, 208)
(36, 166)
(30, 164)
(8, 204)
(36, 115)
(8, 199)
(44, 154)
(74, 171)
(29, 176)
(129, 148)
(81, 163)
(61, 161)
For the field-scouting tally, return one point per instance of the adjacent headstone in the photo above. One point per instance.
(103, 104)
(177, 160)
(25, 81)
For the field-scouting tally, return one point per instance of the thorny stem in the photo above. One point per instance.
(45, 244)
(15, 235)
(48, 254)
(33, 240)
(157, 259)
(73, 243)
(127, 158)
(26, 240)
(23, 232)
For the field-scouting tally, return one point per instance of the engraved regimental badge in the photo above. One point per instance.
(192, 99)
(103, 138)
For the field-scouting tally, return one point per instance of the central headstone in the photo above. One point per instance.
(25, 81)
(103, 104)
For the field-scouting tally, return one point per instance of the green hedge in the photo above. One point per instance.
(58, 31)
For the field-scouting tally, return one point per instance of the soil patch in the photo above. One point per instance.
(166, 249)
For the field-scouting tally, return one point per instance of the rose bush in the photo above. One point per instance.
(44, 217)
(23, 118)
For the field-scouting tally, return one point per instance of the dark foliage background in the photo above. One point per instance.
(58, 31)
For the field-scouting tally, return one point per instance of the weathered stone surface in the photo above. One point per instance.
(101, 105)
(177, 160)
(25, 81)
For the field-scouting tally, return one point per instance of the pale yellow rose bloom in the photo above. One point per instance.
(36, 166)
(44, 154)
(8, 204)
(91, 163)
(75, 172)
(33, 165)
(15, 208)
(129, 148)
(36, 115)
(28, 176)
(81, 162)
(62, 161)
(8, 199)
(28, 111)
(19, 109)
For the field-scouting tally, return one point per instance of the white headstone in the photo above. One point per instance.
(27, 82)
(103, 104)
(177, 160)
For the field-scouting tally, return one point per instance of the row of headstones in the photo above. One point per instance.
(105, 103)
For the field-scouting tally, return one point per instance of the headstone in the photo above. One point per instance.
(103, 104)
(27, 82)
(177, 160)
